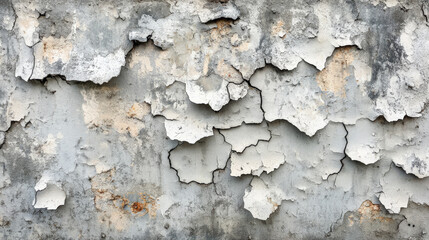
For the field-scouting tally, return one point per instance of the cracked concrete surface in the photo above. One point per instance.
(214, 119)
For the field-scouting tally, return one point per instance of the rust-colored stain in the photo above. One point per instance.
(275, 205)
(118, 210)
(368, 212)
(122, 200)
(137, 207)
(146, 204)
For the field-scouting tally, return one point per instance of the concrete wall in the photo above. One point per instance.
(214, 119)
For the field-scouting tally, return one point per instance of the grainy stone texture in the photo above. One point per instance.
(214, 119)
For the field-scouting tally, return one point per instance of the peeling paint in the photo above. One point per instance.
(50, 197)
(262, 200)
(214, 119)
(198, 161)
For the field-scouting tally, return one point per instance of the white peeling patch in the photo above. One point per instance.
(406, 97)
(100, 167)
(100, 159)
(407, 38)
(27, 22)
(399, 188)
(147, 25)
(284, 58)
(190, 122)
(141, 35)
(316, 52)
(255, 160)
(208, 90)
(262, 200)
(293, 97)
(103, 68)
(187, 131)
(405, 143)
(198, 161)
(49, 197)
(388, 3)
(100, 69)
(394, 196)
(82, 55)
(321, 154)
(246, 135)
(213, 11)
(339, 28)
(391, 3)
(414, 163)
(363, 142)
(25, 64)
(394, 203)
(237, 91)
(161, 31)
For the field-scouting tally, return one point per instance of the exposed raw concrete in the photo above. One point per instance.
(214, 119)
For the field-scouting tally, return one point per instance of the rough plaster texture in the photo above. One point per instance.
(214, 119)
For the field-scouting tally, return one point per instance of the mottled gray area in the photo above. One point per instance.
(214, 119)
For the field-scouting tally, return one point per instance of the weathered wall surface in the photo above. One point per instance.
(214, 119)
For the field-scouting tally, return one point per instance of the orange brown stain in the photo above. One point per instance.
(333, 77)
(118, 208)
(367, 213)
(275, 205)
(223, 27)
(137, 207)
(370, 211)
(277, 28)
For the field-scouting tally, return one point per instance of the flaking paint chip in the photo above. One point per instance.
(51, 197)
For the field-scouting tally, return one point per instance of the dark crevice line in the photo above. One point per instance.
(344, 152)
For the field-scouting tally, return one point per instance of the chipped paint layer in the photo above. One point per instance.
(198, 161)
(214, 119)
(262, 200)
(50, 197)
